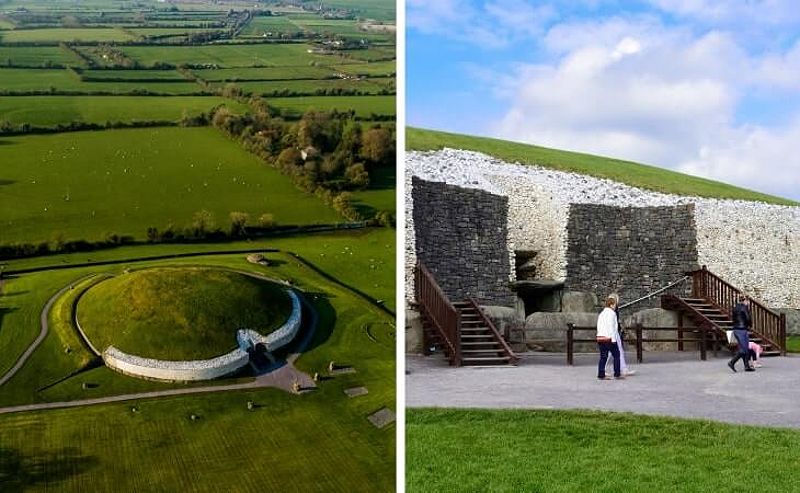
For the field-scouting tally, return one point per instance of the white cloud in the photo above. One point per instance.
(641, 91)
(739, 12)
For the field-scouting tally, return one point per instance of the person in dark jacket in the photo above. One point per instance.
(742, 321)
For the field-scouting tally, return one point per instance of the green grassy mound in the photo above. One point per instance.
(630, 173)
(180, 313)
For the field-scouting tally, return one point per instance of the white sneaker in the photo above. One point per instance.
(628, 373)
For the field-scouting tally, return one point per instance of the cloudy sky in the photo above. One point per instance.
(706, 87)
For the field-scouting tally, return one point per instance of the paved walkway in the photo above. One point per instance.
(687, 387)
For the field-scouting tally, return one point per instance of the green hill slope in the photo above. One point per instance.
(630, 173)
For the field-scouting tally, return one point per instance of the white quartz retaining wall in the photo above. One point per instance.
(752, 245)
(207, 369)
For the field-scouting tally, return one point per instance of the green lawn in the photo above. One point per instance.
(180, 313)
(64, 34)
(37, 56)
(86, 184)
(364, 106)
(370, 69)
(53, 110)
(634, 174)
(567, 451)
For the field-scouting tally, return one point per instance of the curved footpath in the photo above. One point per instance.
(45, 328)
(669, 384)
(282, 378)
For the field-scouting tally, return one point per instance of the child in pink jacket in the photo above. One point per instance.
(755, 354)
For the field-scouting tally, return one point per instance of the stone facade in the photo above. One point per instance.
(461, 237)
(208, 369)
(627, 250)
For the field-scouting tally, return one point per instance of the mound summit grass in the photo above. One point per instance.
(180, 313)
(627, 172)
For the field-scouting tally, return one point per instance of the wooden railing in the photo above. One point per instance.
(495, 333)
(700, 335)
(768, 324)
(439, 310)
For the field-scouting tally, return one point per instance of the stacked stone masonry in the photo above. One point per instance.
(187, 371)
(752, 245)
(461, 238)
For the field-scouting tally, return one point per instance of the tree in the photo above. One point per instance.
(357, 175)
(202, 223)
(377, 145)
(288, 159)
(152, 234)
(266, 220)
(239, 223)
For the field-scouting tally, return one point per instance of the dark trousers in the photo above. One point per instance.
(605, 348)
(743, 351)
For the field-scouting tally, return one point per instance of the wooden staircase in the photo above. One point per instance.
(460, 330)
(710, 306)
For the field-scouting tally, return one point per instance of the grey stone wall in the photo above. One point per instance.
(461, 236)
(627, 250)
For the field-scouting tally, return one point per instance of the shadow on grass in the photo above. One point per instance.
(19, 472)
(6, 182)
(3, 312)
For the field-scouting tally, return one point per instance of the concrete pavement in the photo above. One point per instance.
(668, 384)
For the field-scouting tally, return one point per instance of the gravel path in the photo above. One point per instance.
(668, 385)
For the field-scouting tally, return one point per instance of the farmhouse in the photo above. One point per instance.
(539, 248)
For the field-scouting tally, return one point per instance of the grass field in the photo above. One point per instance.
(369, 69)
(266, 73)
(132, 75)
(180, 313)
(37, 56)
(64, 34)
(630, 173)
(85, 184)
(23, 79)
(793, 344)
(565, 451)
(308, 86)
(52, 110)
(270, 24)
(231, 55)
(364, 106)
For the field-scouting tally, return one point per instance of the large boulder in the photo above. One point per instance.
(654, 317)
(792, 320)
(509, 323)
(413, 332)
(578, 302)
(548, 331)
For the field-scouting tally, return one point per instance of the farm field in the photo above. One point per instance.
(54, 110)
(246, 55)
(364, 106)
(132, 75)
(13, 80)
(143, 178)
(64, 34)
(266, 73)
(310, 86)
(369, 69)
(37, 56)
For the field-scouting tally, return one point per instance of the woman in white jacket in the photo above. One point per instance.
(607, 337)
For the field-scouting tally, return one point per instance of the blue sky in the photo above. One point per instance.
(706, 87)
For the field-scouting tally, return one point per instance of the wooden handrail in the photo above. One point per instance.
(437, 306)
(496, 333)
(771, 326)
